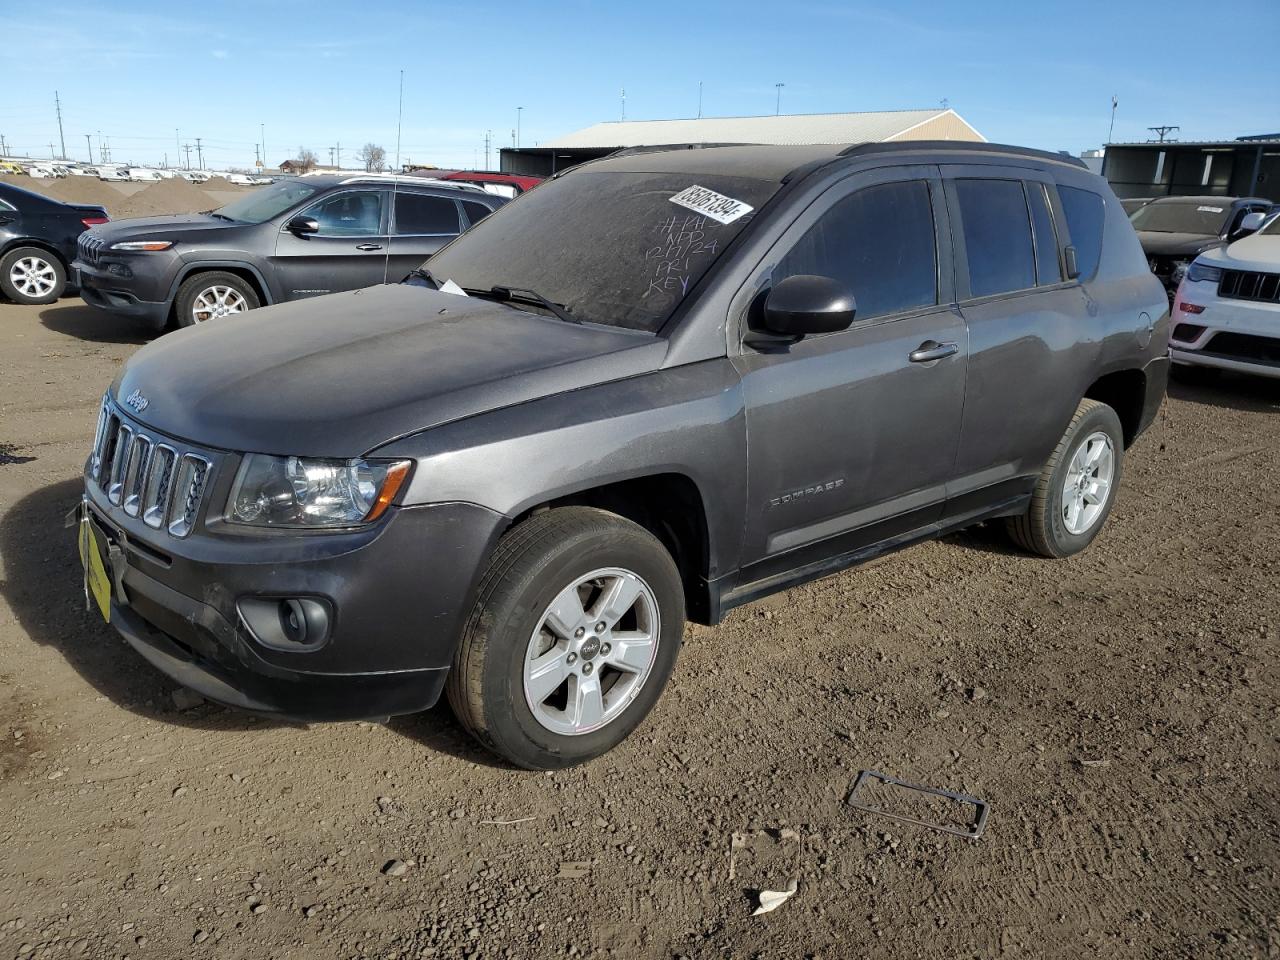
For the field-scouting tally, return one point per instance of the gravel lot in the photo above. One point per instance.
(1119, 711)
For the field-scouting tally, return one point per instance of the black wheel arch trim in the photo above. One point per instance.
(200, 266)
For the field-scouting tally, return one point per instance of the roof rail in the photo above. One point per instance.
(410, 179)
(960, 146)
(663, 147)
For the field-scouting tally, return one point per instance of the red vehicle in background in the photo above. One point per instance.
(502, 184)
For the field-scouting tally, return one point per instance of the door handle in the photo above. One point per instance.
(369, 246)
(932, 350)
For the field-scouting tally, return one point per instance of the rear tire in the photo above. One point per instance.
(210, 296)
(32, 275)
(535, 679)
(1068, 503)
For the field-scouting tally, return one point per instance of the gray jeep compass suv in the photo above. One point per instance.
(298, 238)
(659, 386)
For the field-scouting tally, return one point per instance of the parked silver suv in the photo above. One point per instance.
(656, 387)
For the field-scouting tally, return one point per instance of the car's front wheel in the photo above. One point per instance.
(210, 296)
(573, 636)
(1077, 487)
(32, 275)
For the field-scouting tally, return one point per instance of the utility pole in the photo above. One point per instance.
(257, 159)
(624, 104)
(86, 140)
(519, 111)
(4, 148)
(1162, 132)
(61, 139)
(699, 99)
(399, 118)
(199, 155)
(262, 135)
(488, 135)
(339, 160)
(777, 107)
(52, 155)
(331, 156)
(1112, 129)
(187, 147)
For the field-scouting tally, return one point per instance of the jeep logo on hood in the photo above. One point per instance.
(137, 401)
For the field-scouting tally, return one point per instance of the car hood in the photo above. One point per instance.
(337, 376)
(1175, 244)
(1261, 253)
(135, 227)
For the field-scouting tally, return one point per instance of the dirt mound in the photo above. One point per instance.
(86, 190)
(218, 183)
(166, 196)
(34, 184)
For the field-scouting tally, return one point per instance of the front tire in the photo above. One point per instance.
(210, 296)
(31, 275)
(1077, 487)
(573, 636)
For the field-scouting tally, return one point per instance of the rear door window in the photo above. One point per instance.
(1048, 266)
(1084, 213)
(419, 214)
(475, 211)
(880, 243)
(997, 236)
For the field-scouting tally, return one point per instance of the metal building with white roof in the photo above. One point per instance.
(601, 139)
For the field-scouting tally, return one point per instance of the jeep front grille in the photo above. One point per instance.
(90, 248)
(1250, 285)
(147, 475)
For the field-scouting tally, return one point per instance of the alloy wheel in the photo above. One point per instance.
(217, 301)
(1087, 485)
(592, 651)
(33, 277)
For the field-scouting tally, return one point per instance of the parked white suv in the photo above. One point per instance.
(1227, 311)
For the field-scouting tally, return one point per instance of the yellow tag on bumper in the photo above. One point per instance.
(96, 582)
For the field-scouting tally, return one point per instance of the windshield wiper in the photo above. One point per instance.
(525, 295)
(221, 216)
(422, 273)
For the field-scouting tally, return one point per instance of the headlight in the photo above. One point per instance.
(306, 492)
(1202, 271)
(142, 245)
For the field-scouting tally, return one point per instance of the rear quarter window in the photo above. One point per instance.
(1085, 216)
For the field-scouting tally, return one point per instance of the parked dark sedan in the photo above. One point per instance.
(294, 239)
(1175, 230)
(38, 241)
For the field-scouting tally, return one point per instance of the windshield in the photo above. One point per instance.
(1205, 217)
(616, 248)
(262, 205)
(1271, 227)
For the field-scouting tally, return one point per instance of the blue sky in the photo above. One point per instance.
(318, 73)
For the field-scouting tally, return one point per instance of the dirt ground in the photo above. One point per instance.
(1119, 712)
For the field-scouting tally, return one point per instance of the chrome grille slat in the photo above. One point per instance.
(115, 479)
(148, 476)
(136, 473)
(155, 498)
(193, 471)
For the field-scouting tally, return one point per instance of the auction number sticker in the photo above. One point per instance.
(711, 204)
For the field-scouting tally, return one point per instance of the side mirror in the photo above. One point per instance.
(1250, 224)
(303, 224)
(1073, 265)
(805, 304)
